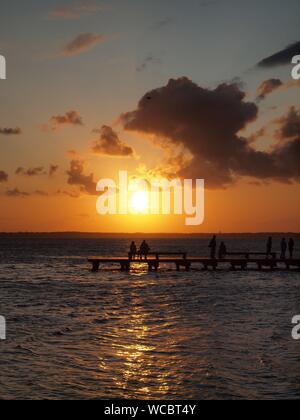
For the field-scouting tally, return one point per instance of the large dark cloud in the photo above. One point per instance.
(3, 176)
(10, 131)
(207, 123)
(282, 57)
(110, 144)
(82, 43)
(76, 177)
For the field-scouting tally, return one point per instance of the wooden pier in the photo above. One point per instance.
(153, 263)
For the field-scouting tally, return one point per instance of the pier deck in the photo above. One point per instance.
(126, 263)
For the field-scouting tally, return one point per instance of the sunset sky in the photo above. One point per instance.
(195, 89)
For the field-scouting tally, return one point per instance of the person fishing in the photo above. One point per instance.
(213, 247)
(144, 250)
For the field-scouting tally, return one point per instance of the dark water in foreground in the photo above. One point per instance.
(74, 334)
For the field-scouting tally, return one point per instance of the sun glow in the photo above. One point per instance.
(139, 202)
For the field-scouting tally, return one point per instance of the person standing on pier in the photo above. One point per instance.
(269, 246)
(213, 247)
(222, 251)
(144, 250)
(133, 251)
(291, 248)
(283, 249)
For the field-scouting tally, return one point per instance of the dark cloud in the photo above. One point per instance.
(10, 131)
(110, 144)
(16, 193)
(77, 178)
(53, 169)
(76, 10)
(207, 123)
(282, 57)
(31, 171)
(267, 87)
(70, 118)
(82, 43)
(3, 176)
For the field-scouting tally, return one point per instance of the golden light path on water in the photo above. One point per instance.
(169, 335)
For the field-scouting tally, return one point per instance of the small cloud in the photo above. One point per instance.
(41, 193)
(109, 144)
(150, 59)
(10, 131)
(82, 43)
(267, 87)
(77, 177)
(16, 193)
(162, 23)
(31, 171)
(53, 169)
(75, 11)
(281, 58)
(70, 118)
(3, 176)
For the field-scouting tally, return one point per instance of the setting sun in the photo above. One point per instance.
(139, 202)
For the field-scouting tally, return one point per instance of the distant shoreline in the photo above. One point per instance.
(138, 234)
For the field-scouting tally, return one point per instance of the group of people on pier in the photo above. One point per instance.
(285, 246)
(142, 252)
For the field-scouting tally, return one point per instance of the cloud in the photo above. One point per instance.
(282, 57)
(162, 23)
(70, 118)
(207, 123)
(150, 59)
(3, 176)
(31, 171)
(10, 131)
(75, 11)
(53, 169)
(16, 193)
(290, 125)
(82, 43)
(110, 144)
(77, 177)
(267, 87)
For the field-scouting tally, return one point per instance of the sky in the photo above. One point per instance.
(161, 88)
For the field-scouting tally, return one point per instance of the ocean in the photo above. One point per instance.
(74, 334)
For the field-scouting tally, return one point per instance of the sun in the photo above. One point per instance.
(139, 202)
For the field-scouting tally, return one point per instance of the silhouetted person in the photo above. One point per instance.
(213, 247)
(283, 247)
(269, 246)
(291, 248)
(222, 251)
(144, 250)
(133, 250)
